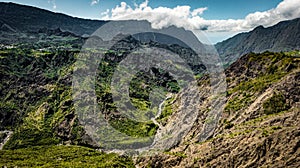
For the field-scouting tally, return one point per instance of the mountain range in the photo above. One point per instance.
(259, 120)
(283, 36)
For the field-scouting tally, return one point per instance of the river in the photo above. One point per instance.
(160, 111)
(6, 139)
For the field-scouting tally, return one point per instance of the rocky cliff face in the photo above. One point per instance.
(260, 123)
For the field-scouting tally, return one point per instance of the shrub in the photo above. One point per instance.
(275, 104)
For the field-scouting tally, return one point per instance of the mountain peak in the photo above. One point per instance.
(259, 27)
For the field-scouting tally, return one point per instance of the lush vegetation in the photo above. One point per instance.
(140, 88)
(37, 97)
(133, 128)
(61, 156)
(275, 104)
(168, 108)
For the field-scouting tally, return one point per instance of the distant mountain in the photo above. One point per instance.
(284, 36)
(21, 18)
(25, 21)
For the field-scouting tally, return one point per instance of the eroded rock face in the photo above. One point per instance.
(260, 123)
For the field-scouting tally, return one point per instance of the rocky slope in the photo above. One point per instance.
(284, 36)
(260, 123)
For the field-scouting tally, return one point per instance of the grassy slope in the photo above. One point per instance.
(61, 156)
(37, 102)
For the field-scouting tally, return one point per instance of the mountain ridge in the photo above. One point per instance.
(281, 37)
(284, 36)
(24, 18)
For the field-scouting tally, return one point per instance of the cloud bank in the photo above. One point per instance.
(183, 16)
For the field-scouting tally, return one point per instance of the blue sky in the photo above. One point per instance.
(221, 18)
(217, 9)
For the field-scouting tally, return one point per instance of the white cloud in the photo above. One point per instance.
(53, 3)
(94, 2)
(198, 11)
(183, 16)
